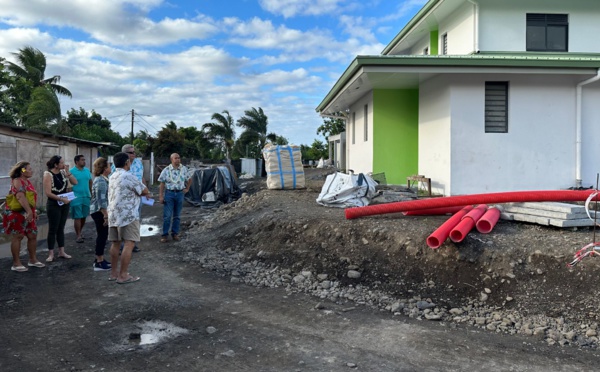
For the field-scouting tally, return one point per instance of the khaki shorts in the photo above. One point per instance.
(128, 232)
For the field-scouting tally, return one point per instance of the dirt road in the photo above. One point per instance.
(67, 317)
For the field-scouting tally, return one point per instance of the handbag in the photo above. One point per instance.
(13, 203)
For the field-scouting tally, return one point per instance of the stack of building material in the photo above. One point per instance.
(548, 214)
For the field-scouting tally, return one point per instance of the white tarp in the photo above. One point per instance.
(347, 190)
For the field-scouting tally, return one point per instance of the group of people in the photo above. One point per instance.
(111, 196)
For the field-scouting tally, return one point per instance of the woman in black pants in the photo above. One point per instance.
(99, 211)
(57, 207)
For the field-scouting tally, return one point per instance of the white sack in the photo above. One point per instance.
(347, 190)
(284, 168)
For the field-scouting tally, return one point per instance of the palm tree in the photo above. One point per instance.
(255, 123)
(221, 130)
(38, 92)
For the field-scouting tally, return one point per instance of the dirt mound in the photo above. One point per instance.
(518, 267)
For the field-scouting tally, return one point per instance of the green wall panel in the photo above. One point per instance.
(395, 133)
(433, 43)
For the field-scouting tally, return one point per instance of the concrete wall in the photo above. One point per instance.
(434, 133)
(459, 26)
(360, 153)
(502, 24)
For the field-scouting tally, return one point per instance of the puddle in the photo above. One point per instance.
(154, 332)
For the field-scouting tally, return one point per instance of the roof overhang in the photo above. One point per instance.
(59, 137)
(366, 73)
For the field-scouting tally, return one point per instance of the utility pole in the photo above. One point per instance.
(132, 119)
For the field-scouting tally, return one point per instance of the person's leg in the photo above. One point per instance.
(15, 249)
(98, 218)
(177, 207)
(167, 213)
(60, 233)
(32, 247)
(53, 212)
(113, 236)
(125, 260)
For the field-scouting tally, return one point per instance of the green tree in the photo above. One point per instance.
(221, 132)
(277, 139)
(191, 136)
(332, 126)
(255, 124)
(8, 109)
(316, 151)
(168, 140)
(35, 95)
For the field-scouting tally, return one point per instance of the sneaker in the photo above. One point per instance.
(108, 263)
(101, 266)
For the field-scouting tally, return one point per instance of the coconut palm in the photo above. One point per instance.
(38, 93)
(222, 131)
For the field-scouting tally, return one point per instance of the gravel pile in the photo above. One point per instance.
(474, 313)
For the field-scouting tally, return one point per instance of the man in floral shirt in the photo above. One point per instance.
(124, 192)
(176, 179)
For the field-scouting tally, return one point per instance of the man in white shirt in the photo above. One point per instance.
(124, 194)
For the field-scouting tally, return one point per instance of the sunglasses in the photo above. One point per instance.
(130, 152)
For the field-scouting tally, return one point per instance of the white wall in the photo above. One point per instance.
(502, 24)
(459, 26)
(360, 154)
(590, 139)
(434, 133)
(537, 153)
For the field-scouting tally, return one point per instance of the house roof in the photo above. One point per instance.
(366, 73)
(63, 138)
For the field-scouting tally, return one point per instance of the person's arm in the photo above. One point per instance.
(69, 176)
(187, 186)
(22, 199)
(161, 193)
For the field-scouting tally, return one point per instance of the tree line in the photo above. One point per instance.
(30, 99)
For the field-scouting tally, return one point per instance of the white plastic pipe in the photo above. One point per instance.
(475, 26)
(578, 180)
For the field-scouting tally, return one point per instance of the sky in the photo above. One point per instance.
(183, 60)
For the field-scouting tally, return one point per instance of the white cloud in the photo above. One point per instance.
(292, 8)
(114, 22)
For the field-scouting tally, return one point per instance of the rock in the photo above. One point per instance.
(210, 330)
(322, 277)
(487, 290)
(591, 333)
(325, 284)
(422, 305)
(483, 297)
(397, 306)
(229, 353)
(353, 274)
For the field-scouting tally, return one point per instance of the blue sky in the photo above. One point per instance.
(184, 60)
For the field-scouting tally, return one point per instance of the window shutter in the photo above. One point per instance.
(496, 107)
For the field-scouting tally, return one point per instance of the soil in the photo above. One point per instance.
(192, 312)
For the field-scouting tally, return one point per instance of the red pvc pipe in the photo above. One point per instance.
(489, 219)
(467, 223)
(439, 236)
(451, 201)
(433, 211)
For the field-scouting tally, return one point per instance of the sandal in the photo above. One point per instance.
(36, 264)
(50, 259)
(79, 240)
(64, 255)
(20, 269)
(131, 279)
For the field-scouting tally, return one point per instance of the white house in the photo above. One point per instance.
(480, 96)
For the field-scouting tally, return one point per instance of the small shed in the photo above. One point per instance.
(37, 147)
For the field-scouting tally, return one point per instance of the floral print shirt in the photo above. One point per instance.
(136, 168)
(124, 190)
(99, 194)
(175, 178)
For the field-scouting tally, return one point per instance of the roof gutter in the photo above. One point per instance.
(578, 181)
(475, 26)
(411, 24)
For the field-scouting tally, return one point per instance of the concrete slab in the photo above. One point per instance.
(578, 213)
(545, 221)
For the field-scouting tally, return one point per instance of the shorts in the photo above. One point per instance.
(128, 232)
(80, 211)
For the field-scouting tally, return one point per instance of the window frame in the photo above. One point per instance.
(354, 127)
(366, 122)
(496, 98)
(547, 21)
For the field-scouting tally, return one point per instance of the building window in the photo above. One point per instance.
(426, 51)
(445, 43)
(353, 128)
(547, 32)
(496, 107)
(366, 120)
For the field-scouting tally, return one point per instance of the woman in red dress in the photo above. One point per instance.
(22, 223)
